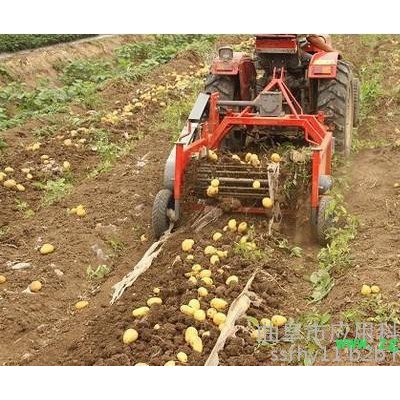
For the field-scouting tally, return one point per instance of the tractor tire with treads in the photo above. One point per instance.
(225, 85)
(357, 101)
(324, 221)
(159, 218)
(336, 100)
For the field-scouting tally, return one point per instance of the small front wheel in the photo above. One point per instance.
(325, 219)
(159, 217)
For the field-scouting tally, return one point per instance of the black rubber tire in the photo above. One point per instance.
(357, 101)
(225, 85)
(159, 218)
(336, 100)
(324, 222)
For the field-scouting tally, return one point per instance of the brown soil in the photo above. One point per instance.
(46, 329)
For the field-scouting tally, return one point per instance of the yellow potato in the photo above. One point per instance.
(232, 225)
(207, 281)
(267, 202)
(193, 280)
(195, 304)
(156, 327)
(185, 309)
(218, 303)
(20, 188)
(3, 279)
(197, 344)
(265, 322)
(256, 185)
(205, 273)
(8, 169)
(67, 142)
(365, 290)
(211, 312)
(80, 211)
(29, 176)
(154, 301)
(182, 357)
(232, 280)
(47, 248)
(2, 176)
(214, 259)
(187, 245)
(170, 363)
(35, 286)
(219, 318)
(222, 254)
(130, 336)
(190, 333)
(156, 290)
(275, 157)
(247, 158)
(202, 291)
(190, 257)
(10, 184)
(81, 304)
(199, 315)
(278, 320)
(206, 334)
(215, 183)
(375, 289)
(209, 250)
(196, 268)
(242, 227)
(212, 156)
(235, 157)
(217, 236)
(66, 165)
(141, 364)
(212, 191)
(140, 312)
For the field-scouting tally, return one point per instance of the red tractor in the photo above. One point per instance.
(285, 93)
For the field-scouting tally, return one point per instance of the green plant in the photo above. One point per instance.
(248, 253)
(3, 144)
(335, 256)
(117, 246)
(4, 230)
(55, 190)
(24, 209)
(99, 273)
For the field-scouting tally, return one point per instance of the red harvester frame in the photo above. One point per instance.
(215, 129)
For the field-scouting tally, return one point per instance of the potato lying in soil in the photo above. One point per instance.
(47, 248)
(35, 286)
(81, 304)
(130, 336)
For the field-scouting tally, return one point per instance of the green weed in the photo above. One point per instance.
(55, 190)
(99, 273)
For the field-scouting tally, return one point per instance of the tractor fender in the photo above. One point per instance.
(323, 65)
(242, 65)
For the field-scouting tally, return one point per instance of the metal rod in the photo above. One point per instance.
(240, 103)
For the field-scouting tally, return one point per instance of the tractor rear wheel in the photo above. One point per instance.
(336, 100)
(225, 85)
(357, 101)
(324, 220)
(159, 218)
